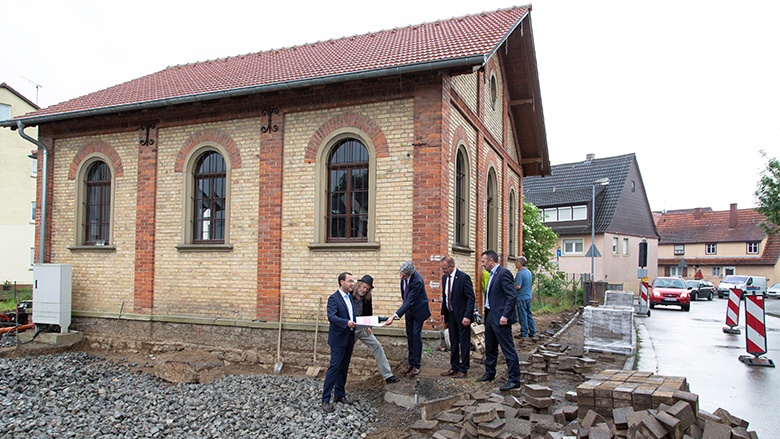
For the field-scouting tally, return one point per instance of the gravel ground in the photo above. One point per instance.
(77, 394)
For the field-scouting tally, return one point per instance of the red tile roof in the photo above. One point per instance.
(684, 227)
(453, 39)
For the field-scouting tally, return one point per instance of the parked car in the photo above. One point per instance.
(700, 289)
(754, 284)
(670, 291)
(774, 291)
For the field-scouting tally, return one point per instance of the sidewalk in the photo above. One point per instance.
(644, 355)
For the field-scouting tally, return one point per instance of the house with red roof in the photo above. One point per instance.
(234, 191)
(717, 243)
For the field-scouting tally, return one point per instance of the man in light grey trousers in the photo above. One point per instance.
(361, 301)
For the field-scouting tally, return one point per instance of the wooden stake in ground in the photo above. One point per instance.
(279, 364)
(314, 370)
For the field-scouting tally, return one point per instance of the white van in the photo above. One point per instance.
(753, 284)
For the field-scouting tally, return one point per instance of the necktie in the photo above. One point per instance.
(487, 292)
(406, 287)
(449, 293)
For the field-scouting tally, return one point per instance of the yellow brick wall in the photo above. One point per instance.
(494, 118)
(511, 148)
(466, 87)
(213, 284)
(307, 275)
(101, 280)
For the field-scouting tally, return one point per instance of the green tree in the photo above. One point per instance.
(768, 195)
(538, 240)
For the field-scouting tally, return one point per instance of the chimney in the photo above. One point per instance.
(733, 216)
(697, 213)
(589, 157)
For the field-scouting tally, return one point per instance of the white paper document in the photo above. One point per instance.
(369, 321)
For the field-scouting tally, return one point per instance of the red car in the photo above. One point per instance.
(670, 291)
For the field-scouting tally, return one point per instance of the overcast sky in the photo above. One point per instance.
(691, 87)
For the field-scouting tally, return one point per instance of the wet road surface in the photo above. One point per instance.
(692, 344)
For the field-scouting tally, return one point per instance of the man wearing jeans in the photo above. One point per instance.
(523, 281)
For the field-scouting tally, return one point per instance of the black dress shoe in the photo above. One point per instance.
(344, 400)
(391, 379)
(327, 407)
(510, 385)
(486, 377)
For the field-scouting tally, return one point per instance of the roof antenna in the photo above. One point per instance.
(37, 87)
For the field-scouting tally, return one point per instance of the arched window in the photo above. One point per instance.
(512, 229)
(492, 211)
(348, 192)
(97, 204)
(461, 199)
(209, 199)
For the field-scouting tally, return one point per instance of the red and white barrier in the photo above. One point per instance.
(732, 312)
(643, 299)
(755, 331)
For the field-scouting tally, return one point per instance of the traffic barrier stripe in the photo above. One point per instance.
(755, 333)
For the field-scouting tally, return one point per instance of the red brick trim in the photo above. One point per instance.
(458, 136)
(347, 120)
(96, 147)
(208, 135)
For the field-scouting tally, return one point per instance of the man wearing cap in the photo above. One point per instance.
(361, 301)
(416, 308)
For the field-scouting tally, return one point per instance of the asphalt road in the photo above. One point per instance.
(692, 344)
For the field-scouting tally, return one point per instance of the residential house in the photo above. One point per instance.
(718, 243)
(18, 176)
(623, 217)
(254, 180)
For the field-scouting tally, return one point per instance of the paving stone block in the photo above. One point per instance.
(728, 418)
(592, 418)
(537, 390)
(671, 424)
(600, 431)
(424, 426)
(449, 418)
(469, 426)
(691, 398)
(429, 409)
(634, 418)
(445, 434)
(716, 430)
(570, 396)
(683, 411)
(642, 397)
(662, 395)
(739, 433)
(492, 428)
(605, 389)
(540, 403)
(650, 428)
(484, 415)
(620, 416)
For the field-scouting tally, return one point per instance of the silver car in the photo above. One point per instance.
(773, 291)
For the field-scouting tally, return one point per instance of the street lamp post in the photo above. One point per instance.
(593, 250)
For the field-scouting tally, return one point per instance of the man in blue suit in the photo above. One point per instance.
(415, 307)
(500, 299)
(457, 309)
(341, 338)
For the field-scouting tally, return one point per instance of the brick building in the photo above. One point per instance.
(212, 193)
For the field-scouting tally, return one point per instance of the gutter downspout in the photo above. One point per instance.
(20, 125)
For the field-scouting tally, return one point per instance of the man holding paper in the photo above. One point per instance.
(361, 301)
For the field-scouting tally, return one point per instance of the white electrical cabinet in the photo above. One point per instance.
(52, 295)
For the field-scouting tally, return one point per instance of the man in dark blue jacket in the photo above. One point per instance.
(341, 338)
(500, 299)
(415, 307)
(457, 309)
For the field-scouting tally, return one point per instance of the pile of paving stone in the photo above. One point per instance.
(80, 395)
(612, 404)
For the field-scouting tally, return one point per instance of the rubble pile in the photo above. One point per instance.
(612, 404)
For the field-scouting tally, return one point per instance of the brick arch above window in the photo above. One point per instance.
(459, 137)
(208, 135)
(363, 123)
(92, 148)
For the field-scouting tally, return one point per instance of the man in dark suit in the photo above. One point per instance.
(457, 309)
(415, 307)
(500, 299)
(341, 338)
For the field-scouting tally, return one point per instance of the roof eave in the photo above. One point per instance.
(475, 61)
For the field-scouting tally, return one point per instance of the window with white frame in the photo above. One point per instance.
(675, 271)
(729, 271)
(679, 249)
(5, 111)
(572, 246)
(565, 213)
(615, 241)
(752, 248)
(34, 169)
(715, 271)
(32, 256)
(625, 247)
(32, 211)
(711, 249)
